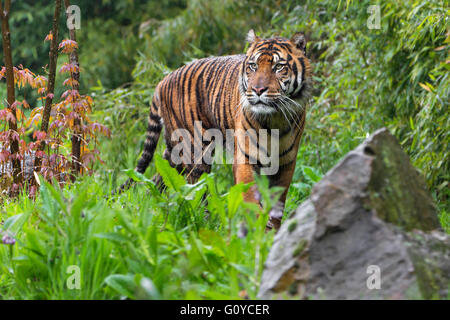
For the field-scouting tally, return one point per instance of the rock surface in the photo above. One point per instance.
(363, 234)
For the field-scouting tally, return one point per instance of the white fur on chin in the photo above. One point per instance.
(262, 109)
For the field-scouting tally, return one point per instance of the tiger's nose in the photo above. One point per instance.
(260, 90)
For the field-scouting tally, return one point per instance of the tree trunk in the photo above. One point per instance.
(76, 137)
(11, 96)
(51, 80)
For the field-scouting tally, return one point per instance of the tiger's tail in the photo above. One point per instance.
(152, 136)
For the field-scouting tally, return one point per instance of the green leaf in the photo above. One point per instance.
(215, 203)
(56, 195)
(148, 289)
(50, 211)
(139, 177)
(243, 269)
(112, 236)
(194, 192)
(136, 176)
(234, 198)
(172, 179)
(79, 203)
(11, 221)
(123, 284)
(214, 295)
(15, 223)
(312, 174)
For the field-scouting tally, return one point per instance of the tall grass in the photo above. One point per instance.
(141, 245)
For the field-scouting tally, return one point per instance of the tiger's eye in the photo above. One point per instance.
(253, 66)
(279, 66)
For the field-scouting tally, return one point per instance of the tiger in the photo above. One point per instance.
(265, 88)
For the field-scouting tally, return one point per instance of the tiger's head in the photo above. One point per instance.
(275, 76)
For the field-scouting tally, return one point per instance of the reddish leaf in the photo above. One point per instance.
(39, 135)
(49, 37)
(68, 46)
(10, 117)
(25, 104)
(4, 155)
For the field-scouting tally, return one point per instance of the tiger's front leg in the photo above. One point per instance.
(244, 173)
(283, 179)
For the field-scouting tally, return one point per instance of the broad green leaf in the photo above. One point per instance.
(15, 223)
(112, 236)
(123, 284)
(136, 176)
(172, 179)
(149, 289)
(312, 174)
(235, 198)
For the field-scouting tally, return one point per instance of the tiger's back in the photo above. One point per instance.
(205, 90)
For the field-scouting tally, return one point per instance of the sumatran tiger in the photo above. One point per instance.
(266, 88)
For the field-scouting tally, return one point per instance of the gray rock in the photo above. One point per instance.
(371, 213)
(285, 263)
(397, 191)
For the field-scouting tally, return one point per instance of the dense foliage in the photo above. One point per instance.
(144, 244)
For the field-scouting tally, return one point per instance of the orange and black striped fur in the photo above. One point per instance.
(265, 88)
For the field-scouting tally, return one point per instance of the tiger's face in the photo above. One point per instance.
(275, 74)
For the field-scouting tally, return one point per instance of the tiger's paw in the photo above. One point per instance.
(275, 216)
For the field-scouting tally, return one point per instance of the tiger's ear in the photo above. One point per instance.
(299, 40)
(251, 37)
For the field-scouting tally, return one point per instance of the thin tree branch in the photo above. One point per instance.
(7, 7)
(76, 137)
(51, 80)
(5, 13)
(10, 89)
